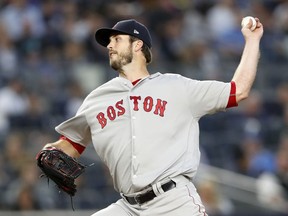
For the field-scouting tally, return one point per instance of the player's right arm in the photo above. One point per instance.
(65, 146)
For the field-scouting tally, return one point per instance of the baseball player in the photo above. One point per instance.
(144, 126)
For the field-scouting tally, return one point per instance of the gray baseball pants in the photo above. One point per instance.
(183, 200)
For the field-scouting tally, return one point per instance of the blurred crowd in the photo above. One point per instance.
(49, 62)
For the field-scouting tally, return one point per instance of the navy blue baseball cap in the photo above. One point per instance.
(129, 27)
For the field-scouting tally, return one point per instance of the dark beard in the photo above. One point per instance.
(124, 59)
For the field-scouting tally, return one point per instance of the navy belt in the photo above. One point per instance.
(149, 195)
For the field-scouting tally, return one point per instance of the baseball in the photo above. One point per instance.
(245, 21)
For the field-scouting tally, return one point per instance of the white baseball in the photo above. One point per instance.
(246, 20)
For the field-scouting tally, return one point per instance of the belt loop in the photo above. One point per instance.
(159, 187)
(155, 189)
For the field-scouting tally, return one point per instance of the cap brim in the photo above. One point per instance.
(102, 35)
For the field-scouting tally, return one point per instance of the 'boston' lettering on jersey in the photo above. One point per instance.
(158, 107)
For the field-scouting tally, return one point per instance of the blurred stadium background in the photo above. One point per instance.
(49, 62)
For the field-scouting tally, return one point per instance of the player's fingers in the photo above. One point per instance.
(258, 23)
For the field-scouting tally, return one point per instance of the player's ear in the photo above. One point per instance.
(138, 45)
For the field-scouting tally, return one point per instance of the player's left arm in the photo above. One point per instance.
(245, 73)
(65, 146)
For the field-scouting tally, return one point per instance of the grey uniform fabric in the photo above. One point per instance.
(147, 132)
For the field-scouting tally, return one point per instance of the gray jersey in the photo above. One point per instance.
(147, 132)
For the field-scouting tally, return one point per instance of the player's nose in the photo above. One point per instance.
(110, 45)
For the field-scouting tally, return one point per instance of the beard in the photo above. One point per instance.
(123, 59)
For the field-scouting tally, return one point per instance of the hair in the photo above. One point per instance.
(145, 50)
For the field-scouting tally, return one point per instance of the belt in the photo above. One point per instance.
(149, 195)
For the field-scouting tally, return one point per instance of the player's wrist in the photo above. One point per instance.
(48, 147)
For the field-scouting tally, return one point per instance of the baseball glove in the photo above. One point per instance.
(60, 168)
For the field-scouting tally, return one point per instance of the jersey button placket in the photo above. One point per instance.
(133, 156)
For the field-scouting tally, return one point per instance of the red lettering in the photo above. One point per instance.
(135, 101)
(120, 108)
(101, 119)
(148, 104)
(160, 107)
(111, 113)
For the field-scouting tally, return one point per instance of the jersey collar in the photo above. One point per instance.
(152, 76)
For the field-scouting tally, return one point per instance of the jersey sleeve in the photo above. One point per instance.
(76, 129)
(207, 97)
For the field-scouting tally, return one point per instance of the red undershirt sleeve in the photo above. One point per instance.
(77, 146)
(232, 98)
